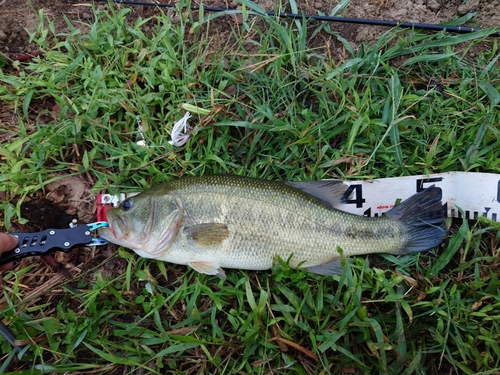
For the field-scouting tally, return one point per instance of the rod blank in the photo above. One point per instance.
(359, 21)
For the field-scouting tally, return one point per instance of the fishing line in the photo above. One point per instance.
(359, 21)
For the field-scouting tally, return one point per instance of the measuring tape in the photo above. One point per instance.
(470, 193)
(475, 194)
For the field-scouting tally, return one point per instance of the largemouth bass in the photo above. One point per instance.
(224, 221)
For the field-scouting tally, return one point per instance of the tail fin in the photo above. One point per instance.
(424, 217)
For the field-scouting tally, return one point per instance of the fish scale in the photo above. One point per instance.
(224, 221)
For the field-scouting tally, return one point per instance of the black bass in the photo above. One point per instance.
(224, 221)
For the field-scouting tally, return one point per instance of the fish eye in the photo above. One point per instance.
(128, 204)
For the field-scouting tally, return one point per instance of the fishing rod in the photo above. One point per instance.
(359, 21)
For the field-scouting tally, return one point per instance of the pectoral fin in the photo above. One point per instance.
(208, 268)
(207, 234)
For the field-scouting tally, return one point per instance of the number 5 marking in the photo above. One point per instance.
(422, 181)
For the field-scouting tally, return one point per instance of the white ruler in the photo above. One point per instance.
(476, 194)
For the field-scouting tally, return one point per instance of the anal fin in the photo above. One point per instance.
(333, 267)
(208, 268)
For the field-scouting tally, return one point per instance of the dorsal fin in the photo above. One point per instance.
(329, 191)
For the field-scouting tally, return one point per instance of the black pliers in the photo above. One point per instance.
(50, 240)
(40, 243)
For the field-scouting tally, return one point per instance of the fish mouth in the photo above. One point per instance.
(117, 229)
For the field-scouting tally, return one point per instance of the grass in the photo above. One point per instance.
(280, 109)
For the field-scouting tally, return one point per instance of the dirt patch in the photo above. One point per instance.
(61, 202)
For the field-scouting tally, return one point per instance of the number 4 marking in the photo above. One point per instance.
(358, 195)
